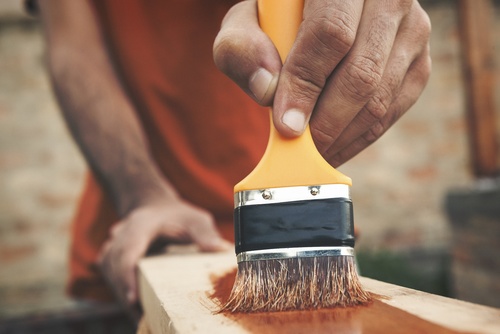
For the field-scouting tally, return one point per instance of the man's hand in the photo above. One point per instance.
(174, 220)
(355, 68)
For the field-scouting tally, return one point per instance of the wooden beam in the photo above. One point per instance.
(475, 23)
(180, 293)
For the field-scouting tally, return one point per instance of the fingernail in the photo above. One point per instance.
(295, 120)
(259, 83)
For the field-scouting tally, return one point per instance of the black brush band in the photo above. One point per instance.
(308, 223)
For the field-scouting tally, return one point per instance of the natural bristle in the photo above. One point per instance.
(296, 284)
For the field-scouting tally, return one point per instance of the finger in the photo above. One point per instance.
(212, 241)
(129, 271)
(120, 256)
(116, 228)
(103, 251)
(325, 36)
(412, 87)
(205, 234)
(188, 223)
(125, 272)
(246, 54)
(411, 41)
(358, 77)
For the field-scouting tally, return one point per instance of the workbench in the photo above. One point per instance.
(180, 293)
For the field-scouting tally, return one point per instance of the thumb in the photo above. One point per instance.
(245, 53)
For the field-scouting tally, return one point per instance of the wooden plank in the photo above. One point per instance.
(175, 293)
(475, 22)
(143, 328)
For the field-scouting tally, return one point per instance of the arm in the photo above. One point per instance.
(355, 68)
(105, 126)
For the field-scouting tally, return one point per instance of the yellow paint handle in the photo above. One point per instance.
(288, 162)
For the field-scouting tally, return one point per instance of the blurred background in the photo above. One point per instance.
(427, 205)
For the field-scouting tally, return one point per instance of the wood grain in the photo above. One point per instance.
(475, 17)
(177, 294)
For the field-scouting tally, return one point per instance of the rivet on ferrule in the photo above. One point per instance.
(314, 191)
(266, 194)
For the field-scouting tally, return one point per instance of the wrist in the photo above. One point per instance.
(141, 190)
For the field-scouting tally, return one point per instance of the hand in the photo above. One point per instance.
(174, 220)
(355, 68)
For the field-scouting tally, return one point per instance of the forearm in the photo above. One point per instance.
(103, 122)
(106, 129)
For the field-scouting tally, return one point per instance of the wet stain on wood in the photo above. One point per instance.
(377, 317)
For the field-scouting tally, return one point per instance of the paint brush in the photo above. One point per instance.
(294, 232)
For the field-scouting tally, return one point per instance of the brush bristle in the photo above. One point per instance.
(296, 284)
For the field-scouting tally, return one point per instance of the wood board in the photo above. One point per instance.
(175, 293)
(478, 61)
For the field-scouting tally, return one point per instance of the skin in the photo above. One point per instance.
(355, 68)
(104, 124)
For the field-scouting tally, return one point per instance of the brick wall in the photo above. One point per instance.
(40, 173)
(399, 182)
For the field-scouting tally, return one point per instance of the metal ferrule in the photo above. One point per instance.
(289, 194)
(298, 252)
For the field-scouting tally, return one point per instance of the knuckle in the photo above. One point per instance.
(232, 48)
(339, 158)
(377, 107)
(418, 23)
(334, 30)
(306, 84)
(224, 41)
(332, 35)
(397, 8)
(422, 22)
(323, 138)
(363, 76)
(427, 68)
(405, 4)
(426, 26)
(374, 133)
(401, 7)
(222, 50)
(421, 69)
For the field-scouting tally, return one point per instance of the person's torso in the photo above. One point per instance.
(204, 132)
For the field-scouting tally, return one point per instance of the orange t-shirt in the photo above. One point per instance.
(204, 132)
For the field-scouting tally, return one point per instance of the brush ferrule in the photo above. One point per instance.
(289, 194)
(294, 224)
(298, 252)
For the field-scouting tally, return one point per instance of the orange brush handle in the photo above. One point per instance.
(288, 162)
